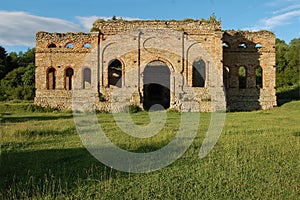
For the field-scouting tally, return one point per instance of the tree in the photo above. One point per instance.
(3, 64)
(281, 62)
(293, 57)
(287, 63)
(26, 58)
(17, 73)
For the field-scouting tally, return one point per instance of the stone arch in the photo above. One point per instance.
(115, 73)
(51, 45)
(258, 45)
(87, 45)
(199, 73)
(194, 52)
(86, 78)
(69, 45)
(69, 73)
(51, 78)
(156, 84)
(225, 45)
(243, 45)
(164, 59)
(259, 77)
(242, 77)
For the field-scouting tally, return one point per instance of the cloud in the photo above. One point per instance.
(280, 20)
(285, 16)
(287, 9)
(19, 28)
(279, 2)
(87, 22)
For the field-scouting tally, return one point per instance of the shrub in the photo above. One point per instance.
(132, 108)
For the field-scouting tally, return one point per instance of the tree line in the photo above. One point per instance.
(17, 70)
(17, 75)
(287, 63)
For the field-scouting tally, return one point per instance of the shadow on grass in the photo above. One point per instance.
(32, 117)
(34, 170)
(287, 95)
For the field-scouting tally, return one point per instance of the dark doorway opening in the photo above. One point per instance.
(156, 85)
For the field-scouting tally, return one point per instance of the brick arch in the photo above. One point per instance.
(51, 78)
(199, 72)
(161, 59)
(87, 45)
(68, 78)
(52, 45)
(193, 52)
(70, 45)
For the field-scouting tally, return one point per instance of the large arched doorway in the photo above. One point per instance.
(156, 85)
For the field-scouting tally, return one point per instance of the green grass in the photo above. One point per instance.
(256, 157)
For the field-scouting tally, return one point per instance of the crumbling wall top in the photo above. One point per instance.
(189, 26)
(248, 40)
(62, 40)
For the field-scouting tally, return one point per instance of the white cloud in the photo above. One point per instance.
(19, 28)
(280, 20)
(286, 16)
(287, 9)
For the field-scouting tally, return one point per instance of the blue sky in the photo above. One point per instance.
(21, 19)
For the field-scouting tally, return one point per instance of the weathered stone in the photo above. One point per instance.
(196, 63)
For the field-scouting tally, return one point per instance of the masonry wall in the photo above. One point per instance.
(250, 50)
(69, 52)
(80, 64)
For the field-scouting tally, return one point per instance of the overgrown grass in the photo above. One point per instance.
(256, 157)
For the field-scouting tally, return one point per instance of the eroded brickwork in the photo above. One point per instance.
(186, 65)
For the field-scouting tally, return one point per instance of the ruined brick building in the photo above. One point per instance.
(186, 65)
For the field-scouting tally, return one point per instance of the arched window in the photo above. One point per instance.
(225, 45)
(87, 78)
(226, 77)
(259, 77)
(52, 45)
(242, 45)
(115, 73)
(68, 78)
(50, 83)
(199, 73)
(87, 46)
(258, 46)
(69, 46)
(242, 77)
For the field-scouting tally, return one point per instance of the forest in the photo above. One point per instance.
(17, 72)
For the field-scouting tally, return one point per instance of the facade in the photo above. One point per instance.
(187, 65)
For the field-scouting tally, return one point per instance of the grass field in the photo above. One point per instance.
(256, 157)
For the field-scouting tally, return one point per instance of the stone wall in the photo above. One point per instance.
(77, 67)
(250, 50)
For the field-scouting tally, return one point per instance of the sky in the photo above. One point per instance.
(21, 19)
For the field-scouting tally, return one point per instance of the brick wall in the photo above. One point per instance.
(137, 44)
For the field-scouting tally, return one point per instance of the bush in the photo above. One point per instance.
(134, 108)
